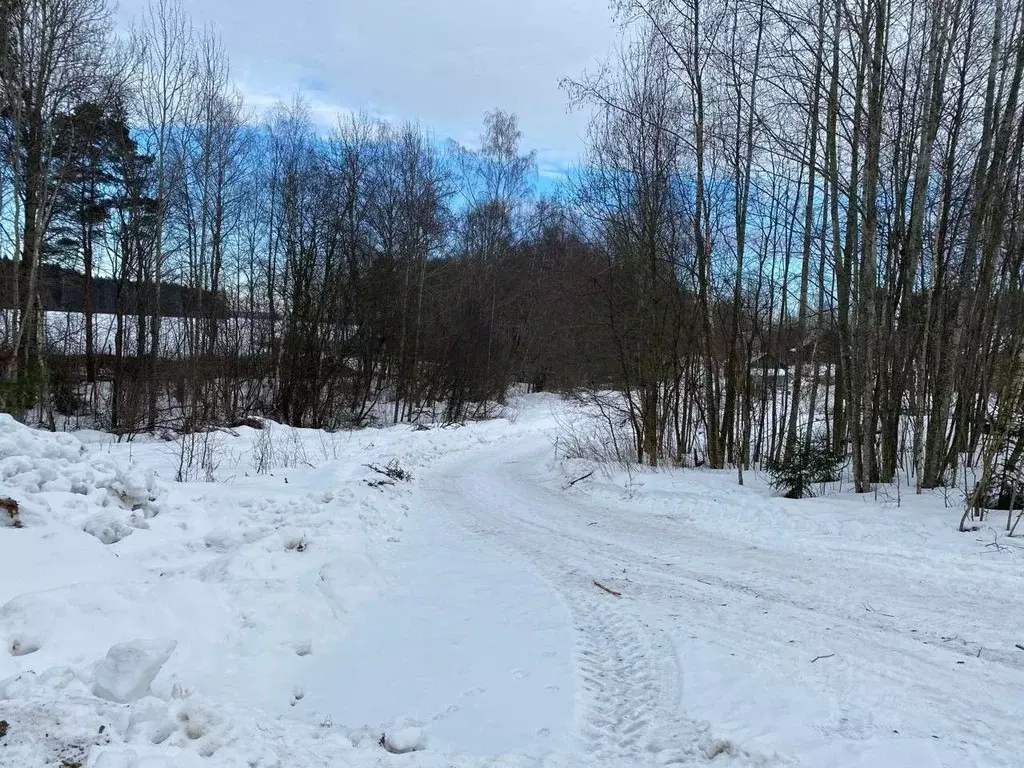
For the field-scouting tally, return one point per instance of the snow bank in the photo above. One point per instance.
(234, 586)
(42, 470)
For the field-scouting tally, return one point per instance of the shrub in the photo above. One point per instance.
(17, 396)
(811, 464)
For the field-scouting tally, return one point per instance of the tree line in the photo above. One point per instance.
(366, 272)
(62, 289)
(829, 188)
(797, 223)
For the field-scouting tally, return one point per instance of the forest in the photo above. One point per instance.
(795, 230)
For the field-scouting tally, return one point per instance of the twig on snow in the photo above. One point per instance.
(582, 477)
(995, 542)
(826, 656)
(1018, 645)
(612, 592)
(869, 609)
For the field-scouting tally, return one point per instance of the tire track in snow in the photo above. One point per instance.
(629, 685)
(619, 685)
(631, 688)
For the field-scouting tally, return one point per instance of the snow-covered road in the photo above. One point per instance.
(749, 630)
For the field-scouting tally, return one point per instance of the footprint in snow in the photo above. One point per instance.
(451, 709)
(520, 674)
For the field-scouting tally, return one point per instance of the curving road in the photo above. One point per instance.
(768, 643)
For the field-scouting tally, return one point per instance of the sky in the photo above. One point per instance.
(442, 62)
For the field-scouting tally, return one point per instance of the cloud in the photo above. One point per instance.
(442, 62)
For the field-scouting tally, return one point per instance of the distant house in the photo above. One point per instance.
(769, 365)
(768, 372)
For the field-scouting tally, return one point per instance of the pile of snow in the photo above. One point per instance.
(149, 624)
(54, 478)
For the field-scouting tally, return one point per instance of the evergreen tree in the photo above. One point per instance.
(85, 159)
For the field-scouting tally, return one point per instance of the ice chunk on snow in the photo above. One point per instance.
(107, 529)
(128, 669)
(404, 740)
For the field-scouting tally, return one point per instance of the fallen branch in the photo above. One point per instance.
(1018, 645)
(612, 592)
(826, 656)
(578, 479)
(392, 470)
(995, 542)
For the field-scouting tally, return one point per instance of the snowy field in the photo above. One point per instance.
(65, 332)
(485, 613)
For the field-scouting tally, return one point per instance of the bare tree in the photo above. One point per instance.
(164, 89)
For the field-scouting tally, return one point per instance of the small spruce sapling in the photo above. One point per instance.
(811, 464)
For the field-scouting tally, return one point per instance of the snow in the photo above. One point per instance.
(66, 332)
(297, 612)
(128, 669)
(107, 529)
(461, 636)
(409, 739)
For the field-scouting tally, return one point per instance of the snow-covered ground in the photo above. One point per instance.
(484, 613)
(65, 332)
